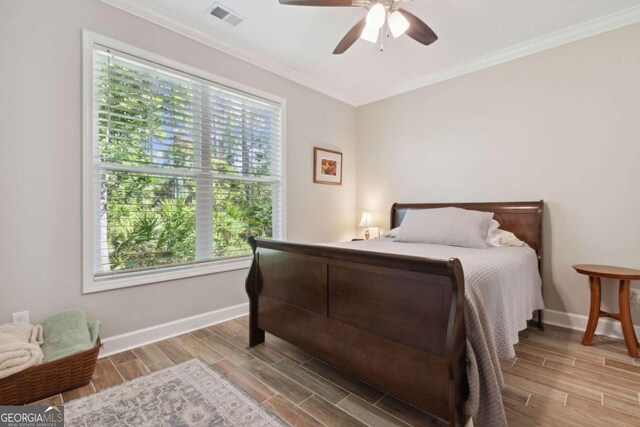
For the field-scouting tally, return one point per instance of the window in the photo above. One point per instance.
(181, 169)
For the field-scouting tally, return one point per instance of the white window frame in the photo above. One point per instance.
(123, 280)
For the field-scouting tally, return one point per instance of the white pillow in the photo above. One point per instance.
(392, 233)
(493, 237)
(497, 237)
(446, 226)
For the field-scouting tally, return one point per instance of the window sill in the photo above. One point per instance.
(126, 280)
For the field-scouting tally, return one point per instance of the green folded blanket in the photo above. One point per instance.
(67, 332)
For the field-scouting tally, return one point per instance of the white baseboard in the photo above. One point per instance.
(129, 340)
(606, 326)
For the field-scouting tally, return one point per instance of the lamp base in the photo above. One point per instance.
(367, 234)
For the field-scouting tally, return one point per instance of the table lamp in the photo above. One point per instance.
(366, 222)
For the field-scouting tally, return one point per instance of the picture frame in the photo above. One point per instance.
(327, 166)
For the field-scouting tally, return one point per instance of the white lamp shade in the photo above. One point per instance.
(366, 220)
(370, 33)
(376, 16)
(398, 24)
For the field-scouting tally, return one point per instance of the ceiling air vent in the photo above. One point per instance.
(225, 14)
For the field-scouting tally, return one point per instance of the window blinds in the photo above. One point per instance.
(185, 169)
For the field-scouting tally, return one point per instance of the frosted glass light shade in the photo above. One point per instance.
(366, 220)
(398, 24)
(370, 33)
(376, 16)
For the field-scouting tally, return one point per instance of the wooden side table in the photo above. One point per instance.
(625, 275)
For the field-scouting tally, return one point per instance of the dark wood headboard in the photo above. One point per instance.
(524, 219)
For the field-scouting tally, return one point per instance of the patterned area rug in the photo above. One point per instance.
(188, 394)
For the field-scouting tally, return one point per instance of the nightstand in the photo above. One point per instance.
(625, 275)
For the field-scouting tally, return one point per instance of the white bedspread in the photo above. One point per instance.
(503, 281)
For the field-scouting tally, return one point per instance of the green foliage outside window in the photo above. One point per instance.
(150, 219)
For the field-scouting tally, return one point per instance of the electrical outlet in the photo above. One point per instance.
(20, 317)
(635, 296)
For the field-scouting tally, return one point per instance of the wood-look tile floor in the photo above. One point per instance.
(553, 380)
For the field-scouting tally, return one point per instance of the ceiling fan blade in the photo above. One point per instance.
(418, 30)
(351, 37)
(333, 3)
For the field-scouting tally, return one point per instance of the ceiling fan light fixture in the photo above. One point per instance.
(370, 33)
(383, 18)
(398, 24)
(376, 16)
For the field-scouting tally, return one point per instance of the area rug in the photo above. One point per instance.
(188, 394)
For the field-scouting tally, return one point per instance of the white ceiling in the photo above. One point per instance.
(297, 41)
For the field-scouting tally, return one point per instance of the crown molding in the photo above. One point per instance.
(578, 32)
(590, 28)
(265, 63)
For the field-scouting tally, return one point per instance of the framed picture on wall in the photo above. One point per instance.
(327, 166)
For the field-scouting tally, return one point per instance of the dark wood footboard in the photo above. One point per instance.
(396, 322)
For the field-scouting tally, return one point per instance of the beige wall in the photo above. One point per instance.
(562, 125)
(40, 169)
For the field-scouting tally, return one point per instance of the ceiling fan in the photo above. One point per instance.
(383, 17)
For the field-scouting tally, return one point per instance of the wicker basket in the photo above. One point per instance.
(48, 379)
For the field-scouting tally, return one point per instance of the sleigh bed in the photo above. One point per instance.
(393, 320)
